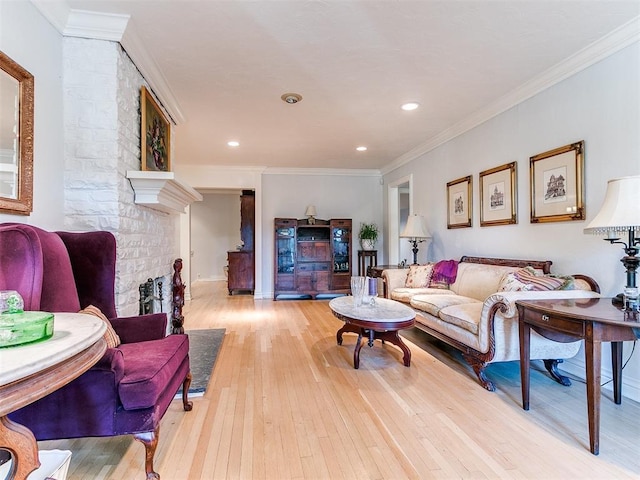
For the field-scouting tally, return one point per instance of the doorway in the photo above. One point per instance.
(400, 206)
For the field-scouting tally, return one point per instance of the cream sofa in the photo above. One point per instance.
(482, 322)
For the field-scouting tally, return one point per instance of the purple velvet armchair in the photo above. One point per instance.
(130, 388)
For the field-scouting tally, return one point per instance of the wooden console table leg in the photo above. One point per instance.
(19, 440)
(616, 363)
(592, 353)
(525, 346)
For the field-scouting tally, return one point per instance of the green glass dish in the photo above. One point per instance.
(25, 327)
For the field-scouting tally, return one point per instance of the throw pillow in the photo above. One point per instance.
(529, 276)
(111, 337)
(510, 283)
(419, 276)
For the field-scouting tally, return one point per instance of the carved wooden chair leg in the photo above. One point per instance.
(186, 404)
(478, 367)
(552, 367)
(150, 442)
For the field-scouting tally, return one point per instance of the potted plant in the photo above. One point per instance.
(368, 235)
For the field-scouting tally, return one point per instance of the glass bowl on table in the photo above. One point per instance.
(18, 327)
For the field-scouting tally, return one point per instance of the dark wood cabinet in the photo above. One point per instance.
(242, 262)
(312, 260)
(247, 219)
(241, 271)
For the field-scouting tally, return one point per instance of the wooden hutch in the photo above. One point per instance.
(312, 259)
(242, 262)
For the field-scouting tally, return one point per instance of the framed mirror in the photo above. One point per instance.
(16, 138)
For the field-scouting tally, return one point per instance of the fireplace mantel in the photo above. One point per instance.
(161, 191)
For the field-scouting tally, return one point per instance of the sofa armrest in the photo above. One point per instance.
(505, 302)
(140, 328)
(112, 361)
(394, 278)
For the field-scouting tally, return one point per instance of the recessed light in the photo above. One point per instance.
(361, 149)
(291, 98)
(410, 106)
(233, 143)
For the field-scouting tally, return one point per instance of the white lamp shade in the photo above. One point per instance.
(620, 211)
(311, 211)
(416, 227)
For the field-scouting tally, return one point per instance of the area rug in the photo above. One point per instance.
(204, 346)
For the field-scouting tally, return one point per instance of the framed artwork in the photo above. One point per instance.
(557, 184)
(498, 200)
(155, 135)
(16, 138)
(459, 203)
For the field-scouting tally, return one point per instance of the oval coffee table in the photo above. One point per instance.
(380, 321)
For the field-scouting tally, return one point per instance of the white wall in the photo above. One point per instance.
(31, 41)
(358, 197)
(215, 229)
(600, 105)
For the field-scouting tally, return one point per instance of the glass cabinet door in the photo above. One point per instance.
(285, 247)
(341, 241)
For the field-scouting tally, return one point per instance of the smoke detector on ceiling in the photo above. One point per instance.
(291, 98)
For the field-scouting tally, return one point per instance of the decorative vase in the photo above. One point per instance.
(367, 244)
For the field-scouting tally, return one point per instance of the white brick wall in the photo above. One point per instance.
(102, 131)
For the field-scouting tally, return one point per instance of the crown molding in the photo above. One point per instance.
(141, 58)
(223, 169)
(95, 25)
(611, 43)
(114, 28)
(322, 171)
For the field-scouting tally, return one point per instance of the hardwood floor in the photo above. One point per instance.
(285, 402)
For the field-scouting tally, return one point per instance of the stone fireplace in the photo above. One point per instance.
(102, 132)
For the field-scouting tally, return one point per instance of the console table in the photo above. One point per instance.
(366, 260)
(594, 320)
(31, 371)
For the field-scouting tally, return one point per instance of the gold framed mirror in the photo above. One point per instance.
(16, 138)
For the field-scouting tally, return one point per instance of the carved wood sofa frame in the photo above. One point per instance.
(479, 360)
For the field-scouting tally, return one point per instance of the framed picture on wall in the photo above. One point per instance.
(498, 199)
(459, 203)
(155, 135)
(557, 184)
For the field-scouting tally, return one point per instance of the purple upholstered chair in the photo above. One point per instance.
(130, 388)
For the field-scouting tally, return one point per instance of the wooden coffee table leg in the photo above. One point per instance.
(346, 328)
(394, 338)
(356, 351)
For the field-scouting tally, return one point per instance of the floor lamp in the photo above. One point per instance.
(417, 232)
(619, 216)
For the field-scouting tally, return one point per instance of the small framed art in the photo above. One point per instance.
(498, 199)
(459, 203)
(155, 134)
(557, 184)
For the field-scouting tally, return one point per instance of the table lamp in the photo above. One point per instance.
(620, 215)
(311, 213)
(417, 232)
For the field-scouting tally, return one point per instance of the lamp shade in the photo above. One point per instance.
(620, 211)
(416, 227)
(311, 211)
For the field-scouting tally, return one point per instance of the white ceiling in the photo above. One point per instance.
(225, 64)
